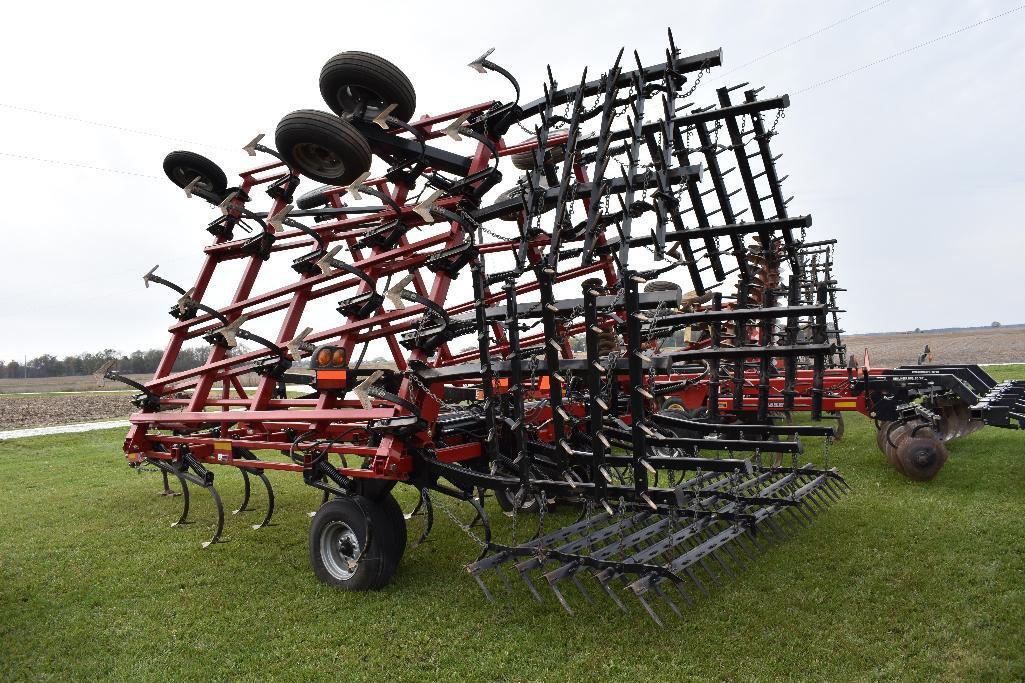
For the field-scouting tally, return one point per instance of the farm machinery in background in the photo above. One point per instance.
(668, 435)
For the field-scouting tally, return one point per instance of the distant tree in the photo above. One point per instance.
(918, 330)
(995, 323)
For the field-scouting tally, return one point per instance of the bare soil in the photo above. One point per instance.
(995, 345)
(43, 410)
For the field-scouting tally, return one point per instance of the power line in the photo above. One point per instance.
(72, 164)
(101, 124)
(905, 51)
(803, 38)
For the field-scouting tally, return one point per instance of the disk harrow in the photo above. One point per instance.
(626, 188)
(918, 408)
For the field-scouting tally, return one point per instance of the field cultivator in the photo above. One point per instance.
(666, 433)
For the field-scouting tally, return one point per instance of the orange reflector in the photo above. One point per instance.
(332, 375)
(845, 404)
(543, 383)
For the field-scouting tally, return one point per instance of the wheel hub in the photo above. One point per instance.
(340, 550)
(318, 159)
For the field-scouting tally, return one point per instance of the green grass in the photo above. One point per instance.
(898, 581)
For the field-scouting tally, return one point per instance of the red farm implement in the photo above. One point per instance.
(676, 455)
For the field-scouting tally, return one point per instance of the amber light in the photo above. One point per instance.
(323, 357)
(338, 357)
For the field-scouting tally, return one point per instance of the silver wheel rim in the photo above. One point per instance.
(319, 159)
(340, 550)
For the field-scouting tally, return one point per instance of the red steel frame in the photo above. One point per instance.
(264, 422)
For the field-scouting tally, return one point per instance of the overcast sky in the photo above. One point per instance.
(915, 164)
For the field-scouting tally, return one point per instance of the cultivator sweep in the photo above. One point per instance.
(665, 430)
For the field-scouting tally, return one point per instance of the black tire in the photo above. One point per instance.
(393, 511)
(351, 80)
(314, 199)
(524, 161)
(674, 403)
(322, 146)
(183, 167)
(662, 286)
(339, 534)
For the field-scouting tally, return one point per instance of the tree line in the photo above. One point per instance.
(136, 362)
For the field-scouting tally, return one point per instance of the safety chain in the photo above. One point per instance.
(465, 527)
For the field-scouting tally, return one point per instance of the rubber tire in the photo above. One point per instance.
(330, 132)
(921, 457)
(674, 403)
(375, 567)
(662, 286)
(371, 72)
(524, 161)
(182, 167)
(515, 192)
(314, 199)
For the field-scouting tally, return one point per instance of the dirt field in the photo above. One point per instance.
(1000, 345)
(18, 412)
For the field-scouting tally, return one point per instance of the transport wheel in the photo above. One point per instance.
(183, 167)
(322, 146)
(524, 161)
(352, 81)
(921, 457)
(314, 198)
(515, 192)
(343, 553)
(661, 286)
(393, 511)
(674, 403)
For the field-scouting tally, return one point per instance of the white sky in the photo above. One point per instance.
(914, 164)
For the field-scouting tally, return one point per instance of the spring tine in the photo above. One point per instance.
(220, 516)
(270, 501)
(246, 490)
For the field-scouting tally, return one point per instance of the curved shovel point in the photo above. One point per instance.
(361, 390)
(220, 517)
(356, 185)
(250, 147)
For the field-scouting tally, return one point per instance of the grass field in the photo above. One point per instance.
(898, 581)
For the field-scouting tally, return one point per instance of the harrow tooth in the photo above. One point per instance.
(697, 582)
(580, 587)
(612, 594)
(487, 593)
(561, 598)
(658, 589)
(649, 610)
(530, 584)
